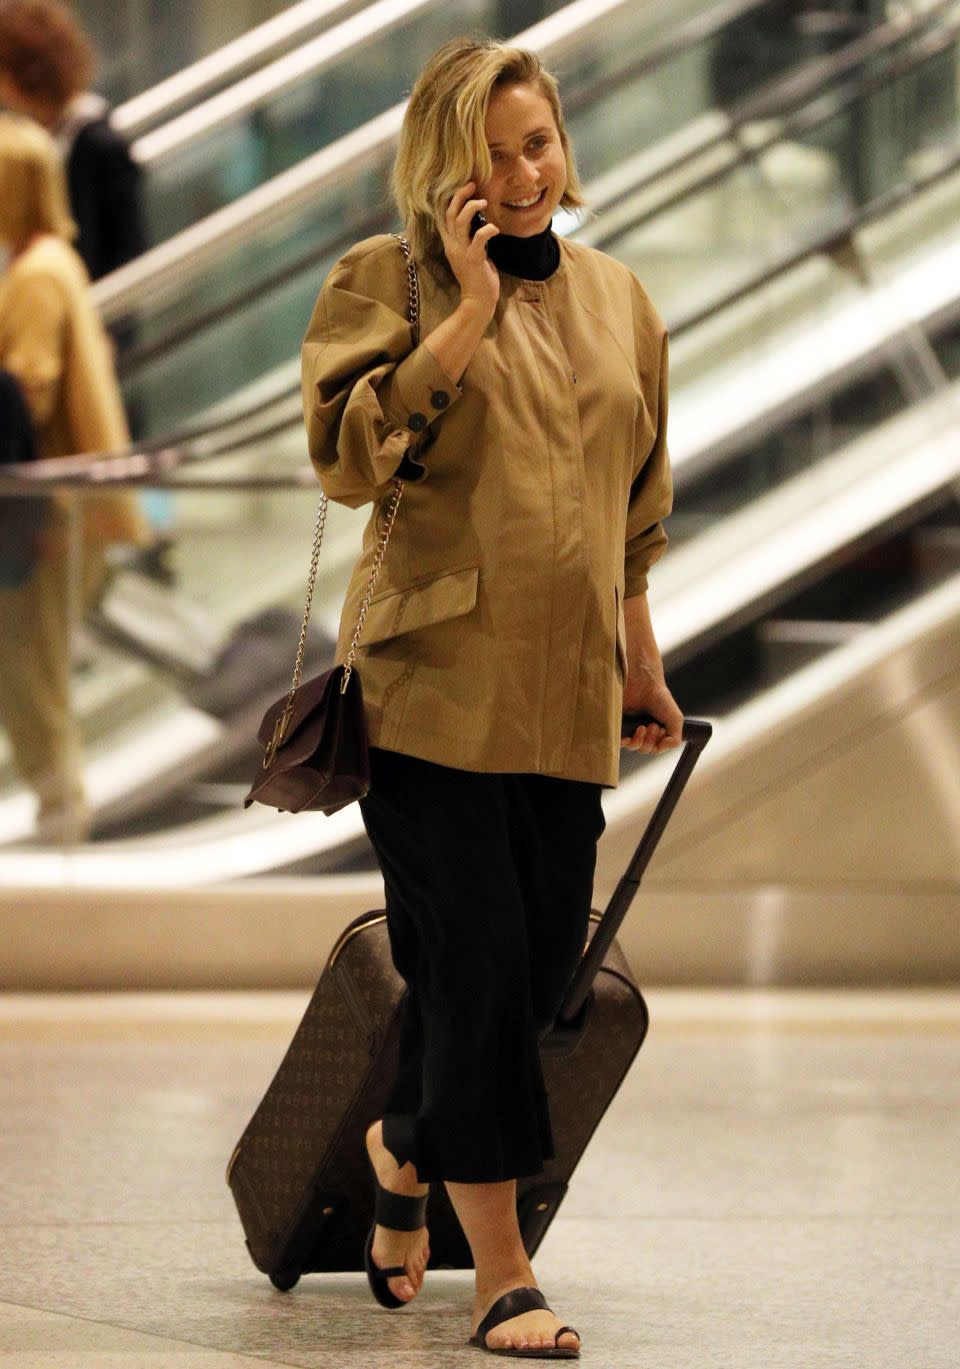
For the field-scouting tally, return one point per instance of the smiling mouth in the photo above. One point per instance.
(521, 205)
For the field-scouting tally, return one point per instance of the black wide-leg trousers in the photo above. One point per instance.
(489, 880)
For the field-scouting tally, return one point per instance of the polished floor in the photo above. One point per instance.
(777, 1186)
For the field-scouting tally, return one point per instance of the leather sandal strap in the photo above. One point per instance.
(512, 1304)
(396, 1271)
(399, 1211)
(559, 1332)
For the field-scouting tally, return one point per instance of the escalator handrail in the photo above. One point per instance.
(229, 62)
(821, 108)
(183, 256)
(273, 80)
(802, 85)
(158, 347)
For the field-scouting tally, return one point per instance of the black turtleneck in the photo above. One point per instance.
(533, 258)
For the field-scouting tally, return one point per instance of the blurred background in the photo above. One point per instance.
(784, 178)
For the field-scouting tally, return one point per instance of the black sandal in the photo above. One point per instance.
(514, 1304)
(399, 1212)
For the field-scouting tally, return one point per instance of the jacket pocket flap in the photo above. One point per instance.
(447, 595)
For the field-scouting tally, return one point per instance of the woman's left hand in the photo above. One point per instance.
(646, 692)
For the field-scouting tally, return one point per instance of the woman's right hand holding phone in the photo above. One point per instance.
(476, 274)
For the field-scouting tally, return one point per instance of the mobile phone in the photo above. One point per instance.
(476, 223)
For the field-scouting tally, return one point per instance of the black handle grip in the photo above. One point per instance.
(693, 729)
(631, 721)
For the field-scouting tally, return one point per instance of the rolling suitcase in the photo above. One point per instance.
(299, 1174)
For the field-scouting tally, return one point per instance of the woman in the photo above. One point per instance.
(52, 343)
(508, 632)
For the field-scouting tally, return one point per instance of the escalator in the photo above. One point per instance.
(239, 283)
(813, 407)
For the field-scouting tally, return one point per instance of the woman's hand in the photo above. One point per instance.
(646, 692)
(476, 274)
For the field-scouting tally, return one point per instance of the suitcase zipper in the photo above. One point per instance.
(233, 1160)
(347, 936)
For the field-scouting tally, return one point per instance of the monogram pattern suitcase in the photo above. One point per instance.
(299, 1174)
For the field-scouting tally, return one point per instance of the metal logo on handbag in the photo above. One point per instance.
(315, 737)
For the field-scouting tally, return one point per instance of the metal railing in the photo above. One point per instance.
(230, 62)
(164, 268)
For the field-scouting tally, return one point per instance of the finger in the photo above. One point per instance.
(647, 737)
(484, 234)
(463, 219)
(457, 199)
(667, 743)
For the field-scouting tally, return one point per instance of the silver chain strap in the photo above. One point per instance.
(283, 721)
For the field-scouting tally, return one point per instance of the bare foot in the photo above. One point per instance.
(530, 1331)
(408, 1248)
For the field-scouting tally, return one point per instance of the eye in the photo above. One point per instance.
(496, 156)
(541, 141)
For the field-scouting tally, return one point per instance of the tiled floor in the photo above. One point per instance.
(775, 1187)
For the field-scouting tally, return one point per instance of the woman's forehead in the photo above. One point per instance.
(515, 112)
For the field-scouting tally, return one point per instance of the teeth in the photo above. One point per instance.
(524, 204)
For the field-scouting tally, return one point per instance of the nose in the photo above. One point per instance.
(524, 174)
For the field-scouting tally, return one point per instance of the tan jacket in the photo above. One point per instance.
(52, 340)
(495, 640)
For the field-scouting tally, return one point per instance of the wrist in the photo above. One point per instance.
(474, 312)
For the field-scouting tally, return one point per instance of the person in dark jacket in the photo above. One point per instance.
(46, 65)
(21, 517)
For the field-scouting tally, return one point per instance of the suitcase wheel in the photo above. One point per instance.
(284, 1279)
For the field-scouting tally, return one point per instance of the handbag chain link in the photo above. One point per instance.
(283, 721)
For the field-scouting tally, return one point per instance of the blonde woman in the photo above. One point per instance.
(508, 634)
(52, 343)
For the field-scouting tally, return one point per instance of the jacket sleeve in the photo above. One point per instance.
(370, 397)
(34, 325)
(651, 493)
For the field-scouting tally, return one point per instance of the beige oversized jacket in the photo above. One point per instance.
(52, 340)
(533, 504)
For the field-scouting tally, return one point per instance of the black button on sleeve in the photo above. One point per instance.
(439, 399)
(417, 422)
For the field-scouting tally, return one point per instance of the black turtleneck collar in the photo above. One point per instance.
(533, 258)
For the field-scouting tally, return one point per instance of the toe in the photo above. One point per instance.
(401, 1288)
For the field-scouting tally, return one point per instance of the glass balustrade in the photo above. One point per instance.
(191, 173)
(142, 42)
(741, 207)
(161, 659)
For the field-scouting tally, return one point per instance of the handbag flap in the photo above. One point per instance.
(312, 697)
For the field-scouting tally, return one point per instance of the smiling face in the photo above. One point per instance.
(529, 172)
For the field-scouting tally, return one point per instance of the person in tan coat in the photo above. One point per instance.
(507, 635)
(53, 344)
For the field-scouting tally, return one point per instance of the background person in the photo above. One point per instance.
(53, 344)
(46, 66)
(509, 633)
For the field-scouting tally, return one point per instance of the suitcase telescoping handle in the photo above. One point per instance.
(696, 734)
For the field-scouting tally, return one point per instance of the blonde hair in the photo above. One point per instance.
(33, 186)
(442, 141)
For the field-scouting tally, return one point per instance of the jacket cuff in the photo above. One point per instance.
(639, 559)
(417, 392)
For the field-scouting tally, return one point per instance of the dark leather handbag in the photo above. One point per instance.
(315, 737)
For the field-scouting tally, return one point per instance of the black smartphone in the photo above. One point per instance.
(476, 223)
